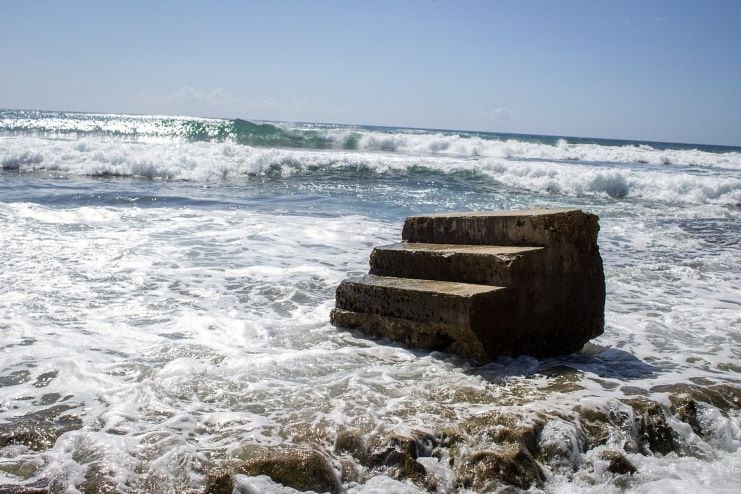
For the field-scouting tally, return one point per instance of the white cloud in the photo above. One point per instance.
(218, 103)
(188, 96)
(495, 114)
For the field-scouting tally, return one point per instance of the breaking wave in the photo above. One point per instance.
(148, 128)
(208, 161)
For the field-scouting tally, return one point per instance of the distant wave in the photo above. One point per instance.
(208, 161)
(148, 128)
(562, 150)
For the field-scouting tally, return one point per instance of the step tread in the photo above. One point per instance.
(513, 213)
(452, 288)
(493, 250)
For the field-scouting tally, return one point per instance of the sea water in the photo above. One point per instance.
(166, 285)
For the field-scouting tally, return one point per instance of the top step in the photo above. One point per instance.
(563, 229)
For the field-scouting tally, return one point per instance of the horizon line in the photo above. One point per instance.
(736, 148)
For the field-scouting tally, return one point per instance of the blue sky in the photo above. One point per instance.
(656, 70)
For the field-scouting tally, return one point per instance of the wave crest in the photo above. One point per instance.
(208, 161)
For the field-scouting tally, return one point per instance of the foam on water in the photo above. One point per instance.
(205, 161)
(183, 331)
(151, 128)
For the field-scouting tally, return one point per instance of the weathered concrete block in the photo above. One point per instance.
(570, 229)
(454, 317)
(484, 284)
(478, 264)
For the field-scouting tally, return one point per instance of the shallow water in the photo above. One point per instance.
(164, 298)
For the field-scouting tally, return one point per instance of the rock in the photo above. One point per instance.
(23, 489)
(352, 442)
(561, 445)
(512, 465)
(617, 462)
(98, 480)
(400, 452)
(301, 469)
(395, 454)
(722, 396)
(40, 430)
(685, 409)
(595, 424)
(503, 428)
(483, 285)
(655, 433)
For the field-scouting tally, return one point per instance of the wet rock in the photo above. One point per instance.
(685, 409)
(44, 379)
(23, 489)
(396, 454)
(617, 462)
(98, 480)
(397, 445)
(722, 396)
(15, 377)
(351, 471)
(352, 442)
(501, 428)
(655, 434)
(301, 469)
(561, 445)
(34, 435)
(511, 465)
(40, 430)
(595, 424)
(21, 468)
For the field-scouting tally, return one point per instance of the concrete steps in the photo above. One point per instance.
(478, 264)
(483, 284)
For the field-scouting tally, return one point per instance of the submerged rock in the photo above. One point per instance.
(301, 469)
(98, 480)
(40, 430)
(655, 433)
(617, 462)
(722, 396)
(497, 450)
(396, 454)
(487, 470)
(685, 409)
(23, 489)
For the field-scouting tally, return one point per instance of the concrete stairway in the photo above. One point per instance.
(483, 285)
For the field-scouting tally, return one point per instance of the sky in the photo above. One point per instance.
(646, 70)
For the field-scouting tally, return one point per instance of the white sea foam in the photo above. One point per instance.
(162, 323)
(173, 129)
(204, 161)
(474, 146)
(182, 334)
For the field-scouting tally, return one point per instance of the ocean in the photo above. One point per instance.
(166, 285)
